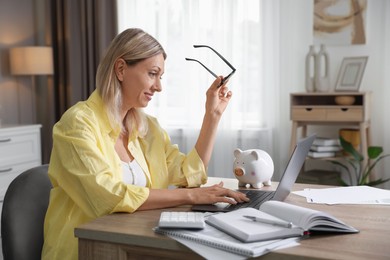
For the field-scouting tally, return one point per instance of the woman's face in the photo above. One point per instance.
(139, 82)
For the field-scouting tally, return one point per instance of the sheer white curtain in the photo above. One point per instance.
(234, 28)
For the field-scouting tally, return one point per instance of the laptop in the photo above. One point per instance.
(257, 197)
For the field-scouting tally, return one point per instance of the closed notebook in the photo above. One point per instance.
(235, 224)
(303, 219)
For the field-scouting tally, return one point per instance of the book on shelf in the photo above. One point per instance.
(325, 148)
(303, 220)
(314, 154)
(324, 141)
(212, 238)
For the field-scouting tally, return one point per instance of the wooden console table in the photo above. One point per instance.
(321, 109)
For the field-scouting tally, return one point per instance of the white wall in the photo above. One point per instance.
(295, 37)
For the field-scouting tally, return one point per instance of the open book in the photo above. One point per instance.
(303, 219)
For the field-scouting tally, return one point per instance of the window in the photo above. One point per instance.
(230, 27)
(234, 28)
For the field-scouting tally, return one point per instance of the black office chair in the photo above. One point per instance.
(24, 208)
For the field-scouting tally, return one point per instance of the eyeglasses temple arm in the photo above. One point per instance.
(219, 55)
(203, 66)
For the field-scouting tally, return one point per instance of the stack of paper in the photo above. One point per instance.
(347, 195)
(254, 249)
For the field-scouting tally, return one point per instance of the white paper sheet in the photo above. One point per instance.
(218, 254)
(347, 195)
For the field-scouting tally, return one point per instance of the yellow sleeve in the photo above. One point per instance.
(179, 169)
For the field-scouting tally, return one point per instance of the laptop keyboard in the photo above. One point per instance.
(256, 199)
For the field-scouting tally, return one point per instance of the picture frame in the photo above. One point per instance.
(351, 73)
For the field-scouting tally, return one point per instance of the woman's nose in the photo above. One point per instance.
(157, 86)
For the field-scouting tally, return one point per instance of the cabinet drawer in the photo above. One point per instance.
(345, 114)
(22, 147)
(9, 172)
(308, 114)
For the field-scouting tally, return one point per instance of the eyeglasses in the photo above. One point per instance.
(222, 58)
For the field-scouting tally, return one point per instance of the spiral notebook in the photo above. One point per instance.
(214, 238)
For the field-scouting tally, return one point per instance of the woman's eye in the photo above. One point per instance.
(152, 74)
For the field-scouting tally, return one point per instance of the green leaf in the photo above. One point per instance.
(357, 166)
(370, 168)
(374, 151)
(372, 165)
(348, 147)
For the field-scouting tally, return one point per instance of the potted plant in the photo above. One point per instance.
(357, 167)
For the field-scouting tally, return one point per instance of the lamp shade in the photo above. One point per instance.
(32, 60)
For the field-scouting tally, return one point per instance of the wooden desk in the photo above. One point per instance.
(130, 236)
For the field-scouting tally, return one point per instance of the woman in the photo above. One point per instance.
(108, 156)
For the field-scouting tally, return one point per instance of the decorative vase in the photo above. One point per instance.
(310, 70)
(322, 82)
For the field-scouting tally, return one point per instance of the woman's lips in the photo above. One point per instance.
(149, 96)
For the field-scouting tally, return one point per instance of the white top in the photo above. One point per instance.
(133, 174)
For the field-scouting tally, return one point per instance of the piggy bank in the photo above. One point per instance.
(254, 167)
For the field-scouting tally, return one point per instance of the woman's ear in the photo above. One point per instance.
(119, 68)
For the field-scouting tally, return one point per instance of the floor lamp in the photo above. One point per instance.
(31, 61)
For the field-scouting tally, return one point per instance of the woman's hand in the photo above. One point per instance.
(216, 193)
(218, 97)
(165, 198)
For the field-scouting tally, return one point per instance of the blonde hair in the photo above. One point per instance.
(133, 45)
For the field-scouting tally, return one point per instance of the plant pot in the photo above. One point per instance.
(352, 136)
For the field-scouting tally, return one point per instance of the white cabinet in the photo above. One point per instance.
(20, 149)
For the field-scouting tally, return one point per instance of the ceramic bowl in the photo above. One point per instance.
(344, 100)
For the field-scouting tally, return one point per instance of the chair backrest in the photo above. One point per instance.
(24, 209)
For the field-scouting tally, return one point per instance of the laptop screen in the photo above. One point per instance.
(293, 168)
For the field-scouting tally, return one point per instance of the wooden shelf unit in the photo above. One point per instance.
(321, 109)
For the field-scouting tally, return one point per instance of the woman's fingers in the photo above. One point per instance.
(228, 195)
(217, 83)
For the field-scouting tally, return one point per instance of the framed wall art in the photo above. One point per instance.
(351, 73)
(339, 22)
